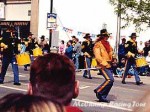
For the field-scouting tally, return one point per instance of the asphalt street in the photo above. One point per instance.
(123, 97)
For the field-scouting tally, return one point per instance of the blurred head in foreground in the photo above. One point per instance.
(17, 102)
(53, 76)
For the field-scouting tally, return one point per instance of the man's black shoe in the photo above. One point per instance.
(123, 82)
(1, 82)
(142, 74)
(138, 83)
(99, 73)
(17, 83)
(95, 91)
(90, 77)
(104, 100)
(25, 69)
(85, 76)
(148, 74)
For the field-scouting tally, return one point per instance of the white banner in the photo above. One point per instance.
(2, 10)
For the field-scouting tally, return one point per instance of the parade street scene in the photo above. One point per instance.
(74, 56)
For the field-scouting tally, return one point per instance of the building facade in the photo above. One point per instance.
(24, 16)
(17, 14)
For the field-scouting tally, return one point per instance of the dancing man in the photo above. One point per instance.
(103, 55)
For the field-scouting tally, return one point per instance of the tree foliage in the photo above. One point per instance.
(135, 12)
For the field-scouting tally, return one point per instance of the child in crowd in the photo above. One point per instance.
(62, 47)
(120, 68)
(114, 66)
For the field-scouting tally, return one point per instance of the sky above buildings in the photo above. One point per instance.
(89, 16)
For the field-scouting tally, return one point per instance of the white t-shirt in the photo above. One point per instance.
(140, 47)
(148, 60)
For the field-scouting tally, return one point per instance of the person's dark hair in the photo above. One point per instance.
(99, 38)
(71, 41)
(53, 76)
(17, 102)
(62, 41)
(43, 37)
(73, 36)
(77, 39)
(114, 59)
(23, 43)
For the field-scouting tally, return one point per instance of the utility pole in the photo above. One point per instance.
(118, 28)
(50, 31)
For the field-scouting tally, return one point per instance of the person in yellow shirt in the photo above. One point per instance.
(103, 55)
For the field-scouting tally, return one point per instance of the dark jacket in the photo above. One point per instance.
(132, 47)
(12, 43)
(146, 49)
(88, 47)
(69, 51)
(121, 49)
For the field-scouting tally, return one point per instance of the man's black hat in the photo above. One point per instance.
(30, 33)
(133, 35)
(73, 36)
(87, 35)
(104, 32)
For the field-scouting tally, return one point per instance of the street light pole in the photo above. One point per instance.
(118, 28)
(50, 31)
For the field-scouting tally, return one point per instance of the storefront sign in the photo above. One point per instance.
(51, 20)
(2, 10)
(14, 23)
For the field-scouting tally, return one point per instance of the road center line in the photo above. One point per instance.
(13, 75)
(84, 87)
(13, 88)
(77, 100)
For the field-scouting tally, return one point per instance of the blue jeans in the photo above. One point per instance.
(119, 71)
(103, 89)
(77, 61)
(5, 63)
(88, 65)
(142, 69)
(127, 67)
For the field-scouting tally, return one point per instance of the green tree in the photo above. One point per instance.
(135, 12)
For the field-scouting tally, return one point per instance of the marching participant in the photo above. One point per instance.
(87, 49)
(131, 50)
(103, 55)
(31, 44)
(10, 44)
(43, 44)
